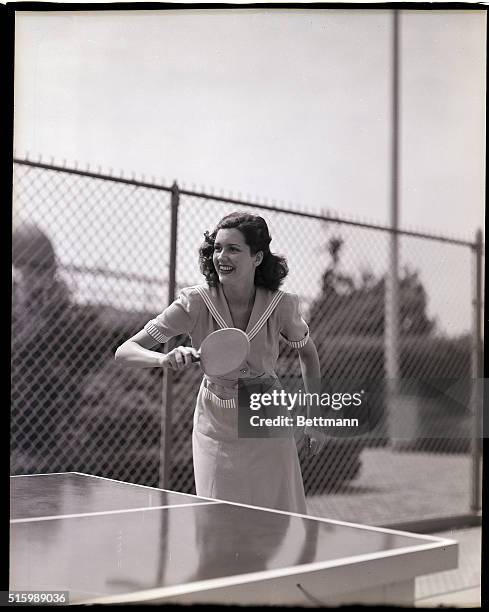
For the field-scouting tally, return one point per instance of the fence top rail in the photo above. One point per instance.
(230, 200)
(89, 174)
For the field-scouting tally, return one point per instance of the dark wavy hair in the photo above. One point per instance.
(273, 268)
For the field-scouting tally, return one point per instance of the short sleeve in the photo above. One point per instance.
(294, 330)
(178, 318)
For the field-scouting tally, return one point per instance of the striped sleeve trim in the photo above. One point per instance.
(155, 333)
(297, 343)
(218, 401)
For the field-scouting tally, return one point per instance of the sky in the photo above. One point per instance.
(286, 106)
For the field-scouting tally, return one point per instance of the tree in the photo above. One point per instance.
(350, 307)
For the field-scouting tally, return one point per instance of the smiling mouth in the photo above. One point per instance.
(225, 269)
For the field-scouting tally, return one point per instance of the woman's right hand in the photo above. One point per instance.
(180, 358)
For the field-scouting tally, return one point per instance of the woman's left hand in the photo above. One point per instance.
(316, 440)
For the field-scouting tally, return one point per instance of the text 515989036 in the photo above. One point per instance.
(35, 598)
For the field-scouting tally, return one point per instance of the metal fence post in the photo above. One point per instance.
(477, 374)
(167, 390)
(391, 307)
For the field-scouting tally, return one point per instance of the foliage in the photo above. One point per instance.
(347, 306)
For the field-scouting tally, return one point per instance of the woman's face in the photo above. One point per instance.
(232, 258)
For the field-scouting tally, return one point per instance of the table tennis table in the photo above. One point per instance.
(107, 541)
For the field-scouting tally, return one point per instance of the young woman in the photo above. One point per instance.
(241, 290)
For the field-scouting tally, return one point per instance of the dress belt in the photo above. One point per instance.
(228, 384)
(232, 384)
(225, 384)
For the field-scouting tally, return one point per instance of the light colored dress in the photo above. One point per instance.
(256, 471)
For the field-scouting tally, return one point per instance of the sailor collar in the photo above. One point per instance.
(263, 306)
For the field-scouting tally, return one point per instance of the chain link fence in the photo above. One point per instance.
(91, 265)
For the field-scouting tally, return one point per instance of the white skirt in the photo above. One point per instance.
(256, 471)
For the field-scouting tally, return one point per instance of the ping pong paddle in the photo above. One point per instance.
(223, 351)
